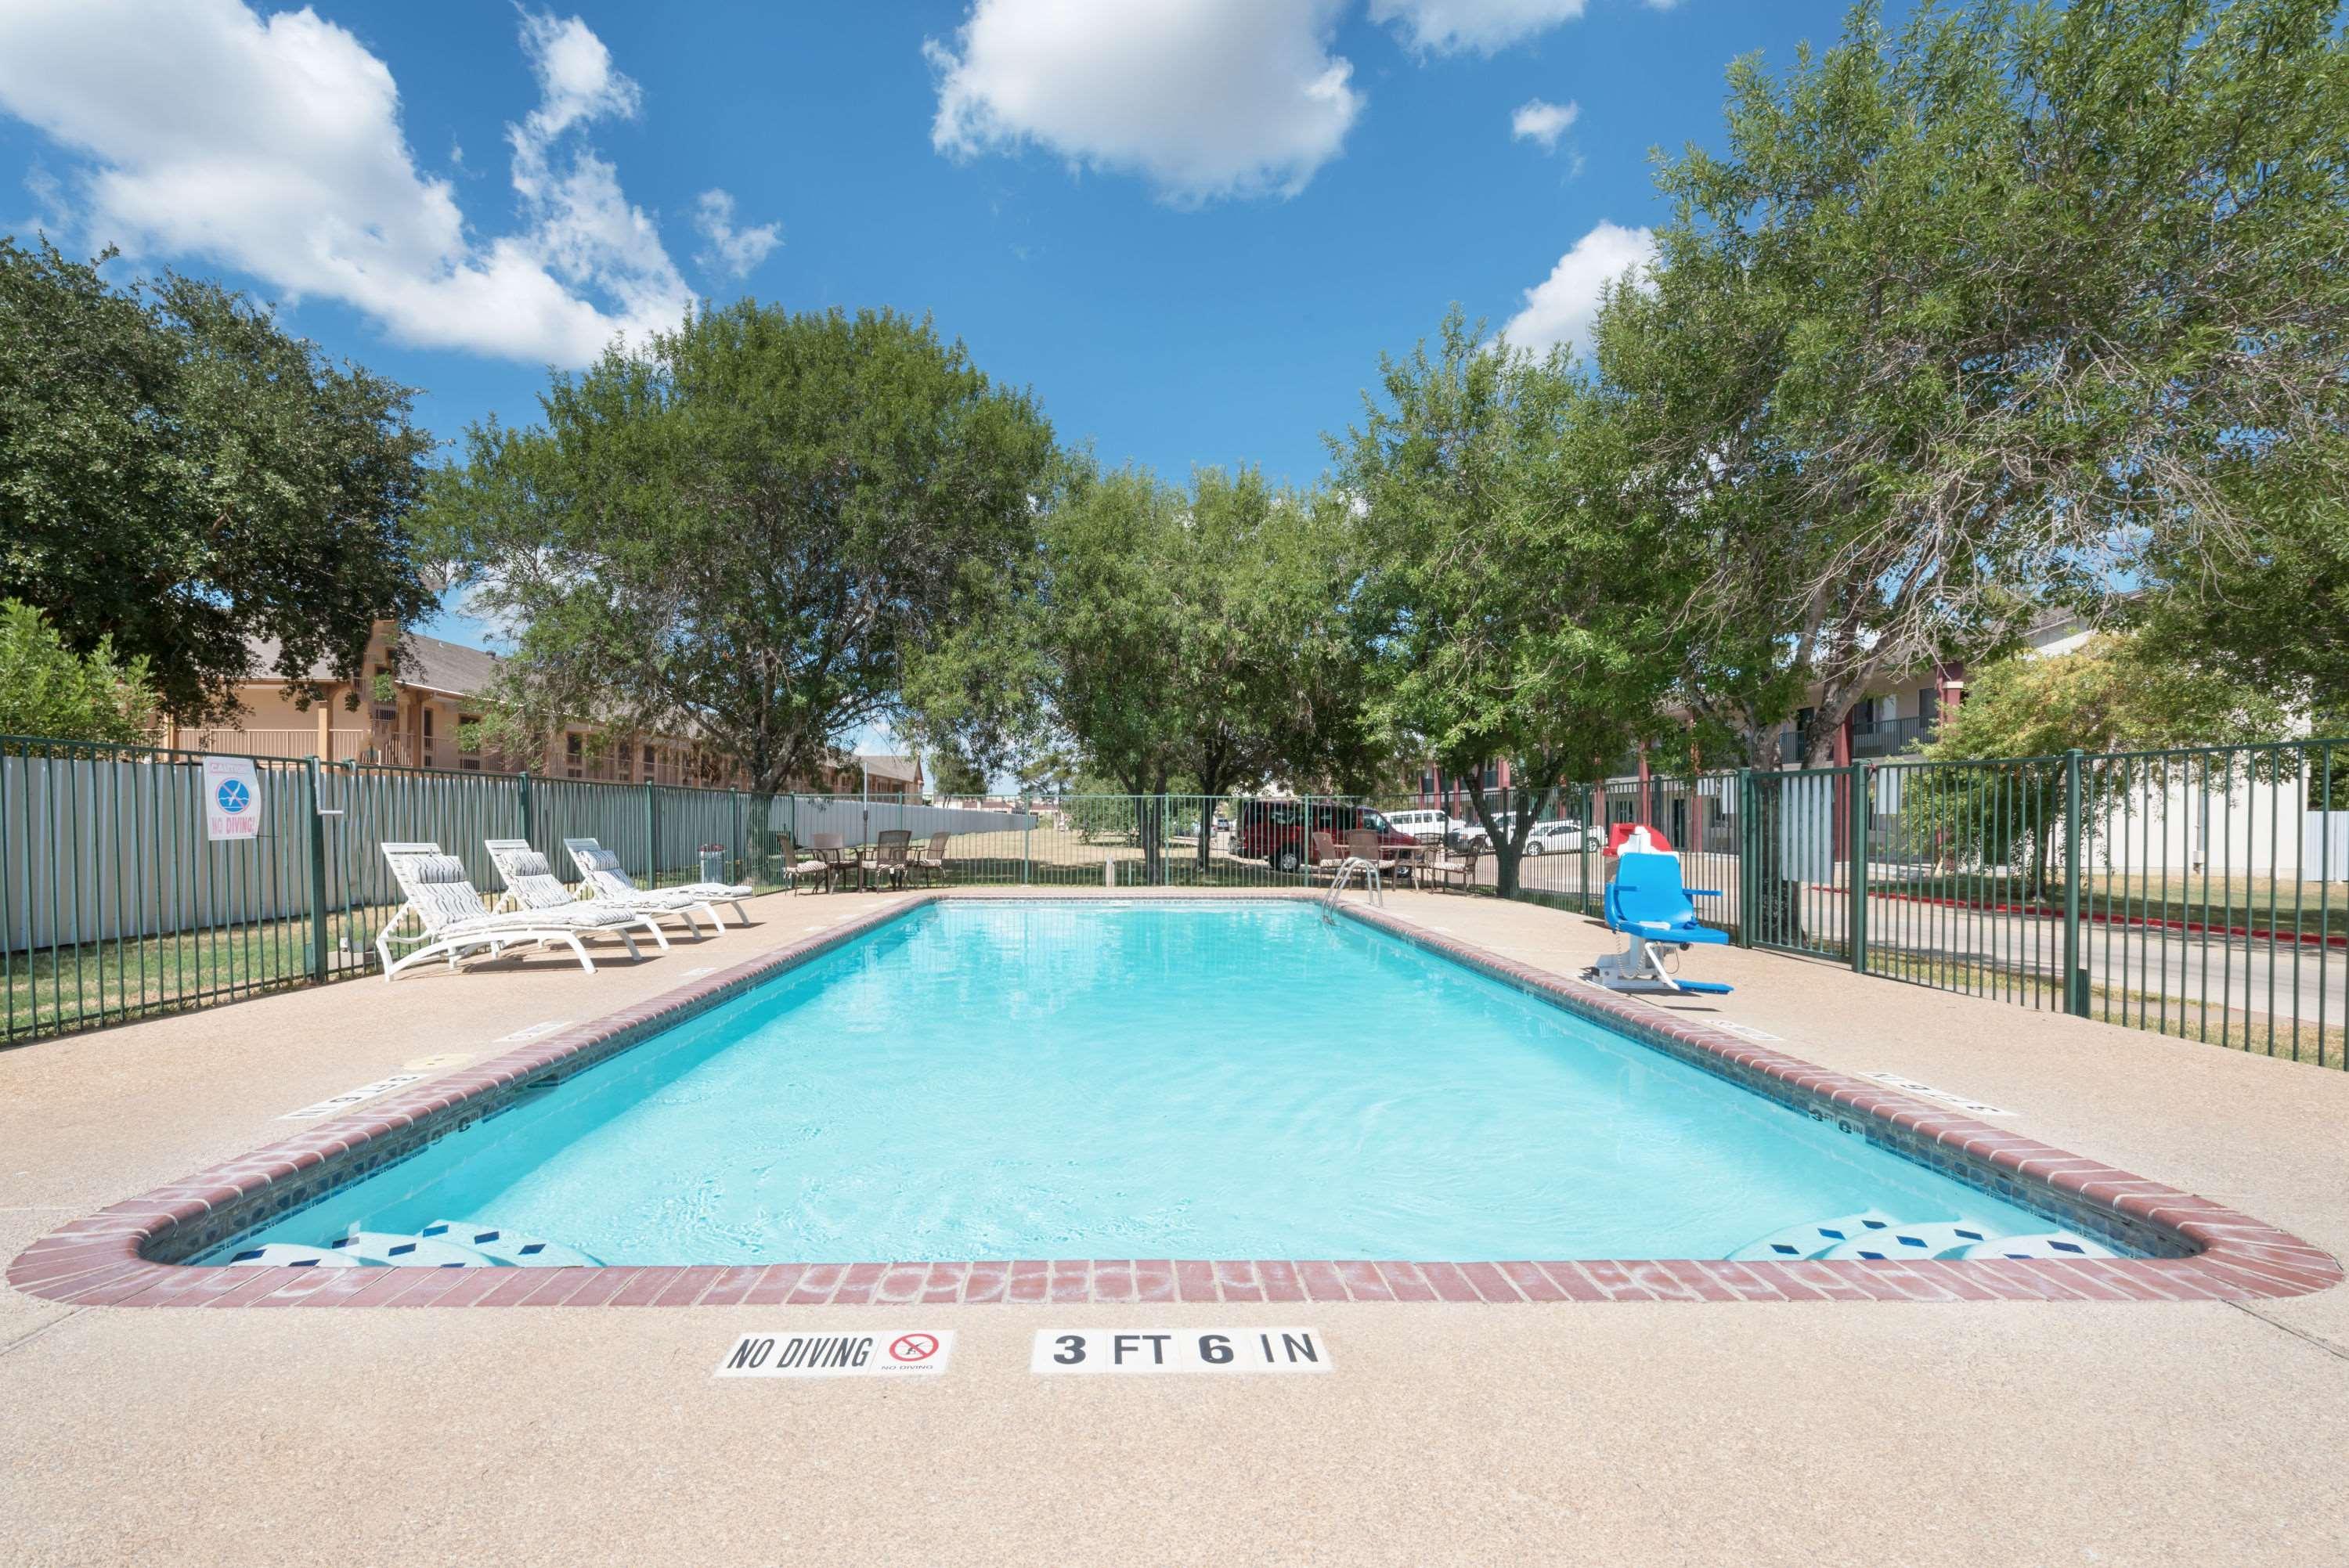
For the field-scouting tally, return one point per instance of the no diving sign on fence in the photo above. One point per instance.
(231, 799)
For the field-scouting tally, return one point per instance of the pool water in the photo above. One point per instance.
(1187, 1080)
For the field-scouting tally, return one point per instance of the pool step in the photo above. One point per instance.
(1937, 1240)
(385, 1249)
(509, 1247)
(1797, 1242)
(2050, 1244)
(289, 1256)
(1873, 1236)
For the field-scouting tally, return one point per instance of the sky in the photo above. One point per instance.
(1190, 227)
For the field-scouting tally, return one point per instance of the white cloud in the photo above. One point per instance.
(1205, 99)
(1535, 121)
(737, 250)
(274, 147)
(1451, 26)
(1558, 309)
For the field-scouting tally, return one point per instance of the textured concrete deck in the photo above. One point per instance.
(1863, 1433)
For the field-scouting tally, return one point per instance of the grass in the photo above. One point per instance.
(2261, 1034)
(2261, 903)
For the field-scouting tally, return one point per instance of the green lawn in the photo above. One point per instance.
(2258, 904)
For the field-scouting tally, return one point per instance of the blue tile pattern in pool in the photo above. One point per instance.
(1109, 1079)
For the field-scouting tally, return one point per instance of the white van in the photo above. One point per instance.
(1427, 827)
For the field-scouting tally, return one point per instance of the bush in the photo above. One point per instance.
(47, 689)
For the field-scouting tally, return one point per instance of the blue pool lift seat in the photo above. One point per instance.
(1647, 904)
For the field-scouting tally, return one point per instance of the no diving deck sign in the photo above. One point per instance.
(1145, 1351)
(914, 1353)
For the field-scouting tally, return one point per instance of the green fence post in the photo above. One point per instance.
(320, 961)
(652, 837)
(2075, 979)
(1593, 809)
(734, 800)
(529, 811)
(1856, 864)
(1745, 857)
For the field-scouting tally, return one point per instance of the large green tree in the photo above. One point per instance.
(1170, 640)
(180, 479)
(1514, 605)
(1998, 307)
(746, 532)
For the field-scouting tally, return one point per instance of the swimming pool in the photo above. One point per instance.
(1191, 1079)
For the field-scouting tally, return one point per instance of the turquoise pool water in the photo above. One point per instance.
(1199, 1080)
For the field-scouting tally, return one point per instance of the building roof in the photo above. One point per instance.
(450, 668)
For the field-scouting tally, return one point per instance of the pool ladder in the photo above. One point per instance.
(1347, 869)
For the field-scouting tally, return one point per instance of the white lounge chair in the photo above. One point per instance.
(455, 921)
(531, 884)
(601, 872)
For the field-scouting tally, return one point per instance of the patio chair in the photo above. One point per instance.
(890, 855)
(531, 884)
(1326, 856)
(932, 863)
(455, 921)
(797, 864)
(1458, 871)
(601, 873)
(839, 860)
(1647, 904)
(1363, 844)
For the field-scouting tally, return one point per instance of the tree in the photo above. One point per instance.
(180, 478)
(1988, 311)
(2274, 612)
(47, 689)
(748, 533)
(1512, 607)
(2112, 694)
(1170, 638)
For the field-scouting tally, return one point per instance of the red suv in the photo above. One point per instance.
(1276, 830)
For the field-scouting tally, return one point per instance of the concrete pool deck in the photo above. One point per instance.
(1639, 1432)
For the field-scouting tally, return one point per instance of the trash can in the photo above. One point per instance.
(713, 863)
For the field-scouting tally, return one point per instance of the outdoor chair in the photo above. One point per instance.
(932, 863)
(1458, 871)
(531, 884)
(601, 873)
(833, 849)
(1326, 855)
(890, 856)
(455, 923)
(797, 864)
(1647, 905)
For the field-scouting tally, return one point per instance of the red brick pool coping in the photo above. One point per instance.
(105, 1260)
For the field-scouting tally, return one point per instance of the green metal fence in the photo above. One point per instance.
(2200, 892)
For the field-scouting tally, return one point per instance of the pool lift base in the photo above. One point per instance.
(1642, 966)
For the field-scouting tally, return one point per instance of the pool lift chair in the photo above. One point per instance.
(1647, 904)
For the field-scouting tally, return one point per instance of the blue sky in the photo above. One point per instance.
(1190, 226)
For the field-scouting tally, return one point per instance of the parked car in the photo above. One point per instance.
(1472, 832)
(1276, 830)
(1429, 826)
(1562, 836)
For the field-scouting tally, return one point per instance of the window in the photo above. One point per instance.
(428, 723)
(627, 758)
(1492, 776)
(571, 754)
(1928, 704)
(652, 756)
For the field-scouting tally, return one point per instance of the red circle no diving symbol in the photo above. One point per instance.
(913, 1347)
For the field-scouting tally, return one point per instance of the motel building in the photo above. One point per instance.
(423, 695)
